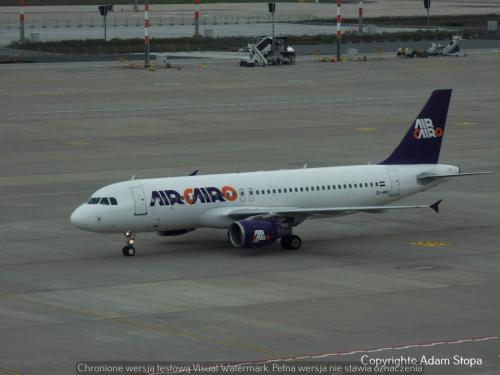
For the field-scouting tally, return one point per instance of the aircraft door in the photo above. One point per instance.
(394, 182)
(141, 207)
(243, 195)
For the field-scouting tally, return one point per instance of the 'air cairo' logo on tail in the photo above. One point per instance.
(425, 129)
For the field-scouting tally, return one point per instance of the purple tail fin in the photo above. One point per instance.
(422, 143)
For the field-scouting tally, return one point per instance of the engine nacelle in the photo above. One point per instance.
(253, 233)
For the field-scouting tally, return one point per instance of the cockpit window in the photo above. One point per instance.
(104, 201)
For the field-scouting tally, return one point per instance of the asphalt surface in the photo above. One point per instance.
(399, 283)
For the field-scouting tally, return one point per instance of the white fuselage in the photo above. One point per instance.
(186, 202)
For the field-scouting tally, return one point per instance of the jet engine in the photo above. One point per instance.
(253, 233)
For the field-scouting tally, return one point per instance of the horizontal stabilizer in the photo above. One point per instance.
(431, 177)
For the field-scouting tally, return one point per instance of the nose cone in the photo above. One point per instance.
(79, 219)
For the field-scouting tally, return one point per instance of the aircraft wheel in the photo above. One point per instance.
(291, 242)
(128, 251)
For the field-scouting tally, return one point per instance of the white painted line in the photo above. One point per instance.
(372, 350)
(225, 105)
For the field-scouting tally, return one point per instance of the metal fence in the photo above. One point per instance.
(156, 21)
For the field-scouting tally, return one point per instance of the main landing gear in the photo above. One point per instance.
(291, 242)
(129, 249)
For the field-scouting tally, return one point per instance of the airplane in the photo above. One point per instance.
(259, 208)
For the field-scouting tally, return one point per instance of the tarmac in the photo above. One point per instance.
(395, 284)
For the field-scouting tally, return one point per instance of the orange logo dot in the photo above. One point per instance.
(229, 193)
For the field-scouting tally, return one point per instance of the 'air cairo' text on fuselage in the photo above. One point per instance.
(208, 194)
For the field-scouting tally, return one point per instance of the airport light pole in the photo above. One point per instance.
(339, 29)
(272, 10)
(104, 9)
(146, 33)
(196, 18)
(427, 5)
(21, 20)
(360, 16)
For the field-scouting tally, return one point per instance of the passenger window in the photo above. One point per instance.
(329, 187)
(366, 184)
(296, 190)
(317, 188)
(333, 187)
(251, 192)
(279, 191)
(274, 191)
(94, 200)
(268, 191)
(104, 201)
(301, 189)
(263, 192)
(371, 184)
(113, 201)
(350, 186)
(256, 192)
(345, 186)
(355, 185)
(376, 183)
(307, 188)
(323, 187)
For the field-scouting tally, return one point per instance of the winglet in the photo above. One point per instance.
(194, 173)
(435, 206)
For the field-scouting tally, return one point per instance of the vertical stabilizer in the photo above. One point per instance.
(422, 142)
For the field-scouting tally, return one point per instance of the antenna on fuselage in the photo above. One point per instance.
(305, 166)
(132, 178)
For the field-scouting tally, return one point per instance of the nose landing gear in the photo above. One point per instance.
(129, 249)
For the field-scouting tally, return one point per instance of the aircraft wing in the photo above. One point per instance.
(280, 212)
